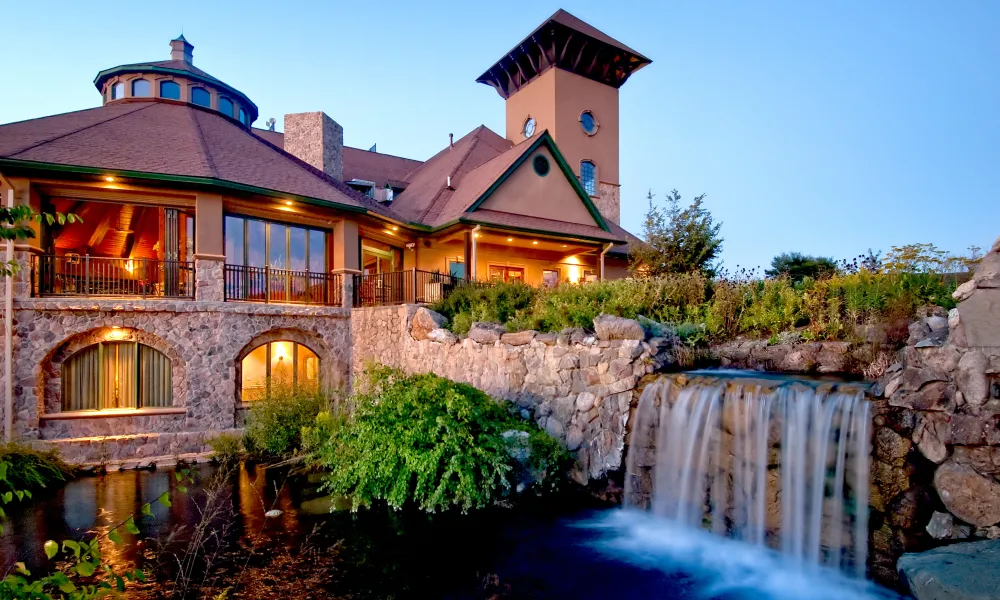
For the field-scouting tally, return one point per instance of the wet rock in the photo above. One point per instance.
(942, 526)
(442, 336)
(609, 327)
(425, 321)
(486, 333)
(965, 571)
(910, 508)
(971, 377)
(970, 496)
(890, 447)
(520, 338)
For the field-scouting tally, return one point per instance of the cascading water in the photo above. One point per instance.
(769, 461)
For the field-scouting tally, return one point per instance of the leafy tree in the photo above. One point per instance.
(14, 225)
(677, 240)
(797, 266)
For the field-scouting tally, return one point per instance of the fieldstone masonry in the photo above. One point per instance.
(576, 386)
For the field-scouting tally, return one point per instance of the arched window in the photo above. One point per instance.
(283, 363)
(141, 88)
(170, 90)
(116, 375)
(243, 117)
(118, 91)
(588, 174)
(201, 97)
(226, 106)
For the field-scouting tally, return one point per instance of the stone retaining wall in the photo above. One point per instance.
(578, 387)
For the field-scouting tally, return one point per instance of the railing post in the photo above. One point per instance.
(144, 280)
(267, 284)
(86, 274)
(414, 285)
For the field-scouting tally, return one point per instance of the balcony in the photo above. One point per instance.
(72, 275)
(403, 287)
(280, 286)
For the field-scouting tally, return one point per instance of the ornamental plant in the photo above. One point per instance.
(428, 441)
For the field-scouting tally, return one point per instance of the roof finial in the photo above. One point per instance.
(181, 49)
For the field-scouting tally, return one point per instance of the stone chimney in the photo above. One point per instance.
(316, 139)
(180, 49)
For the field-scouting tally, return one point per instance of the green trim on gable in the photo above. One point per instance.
(549, 143)
(178, 179)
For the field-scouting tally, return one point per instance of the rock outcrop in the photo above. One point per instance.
(964, 571)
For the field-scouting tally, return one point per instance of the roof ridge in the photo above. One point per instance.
(468, 151)
(204, 145)
(69, 133)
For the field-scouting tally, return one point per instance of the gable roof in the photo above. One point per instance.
(173, 141)
(365, 165)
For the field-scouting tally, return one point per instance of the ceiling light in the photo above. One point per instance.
(477, 235)
(389, 232)
(394, 228)
(288, 202)
(510, 239)
(564, 246)
(535, 242)
(109, 179)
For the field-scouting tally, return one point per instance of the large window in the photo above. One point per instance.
(256, 243)
(502, 273)
(588, 174)
(226, 106)
(283, 364)
(456, 267)
(111, 375)
(118, 91)
(170, 90)
(141, 88)
(201, 97)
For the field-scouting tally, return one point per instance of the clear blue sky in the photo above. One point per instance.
(822, 127)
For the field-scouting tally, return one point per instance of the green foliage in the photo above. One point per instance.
(496, 303)
(797, 266)
(427, 440)
(274, 424)
(677, 240)
(15, 225)
(82, 573)
(228, 448)
(928, 258)
(32, 469)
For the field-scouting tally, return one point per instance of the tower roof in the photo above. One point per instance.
(566, 42)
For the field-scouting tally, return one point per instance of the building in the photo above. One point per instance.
(213, 255)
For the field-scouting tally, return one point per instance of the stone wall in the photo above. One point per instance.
(204, 340)
(576, 386)
(936, 461)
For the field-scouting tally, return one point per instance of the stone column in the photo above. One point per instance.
(209, 275)
(347, 283)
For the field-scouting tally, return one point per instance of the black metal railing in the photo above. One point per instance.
(280, 286)
(97, 276)
(403, 287)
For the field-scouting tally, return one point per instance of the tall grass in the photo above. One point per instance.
(32, 469)
(711, 310)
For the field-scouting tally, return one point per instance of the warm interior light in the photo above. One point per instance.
(535, 242)
(394, 228)
(389, 232)
(109, 179)
(510, 239)
(286, 209)
(288, 202)
(115, 327)
(477, 235)
(564, 246)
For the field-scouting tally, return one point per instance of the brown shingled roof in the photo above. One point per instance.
(171, 139)
(362, 164)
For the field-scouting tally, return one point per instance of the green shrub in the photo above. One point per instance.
(495, 303)
(427, 440)
(274, 425)
(31, 469)
(228, 448)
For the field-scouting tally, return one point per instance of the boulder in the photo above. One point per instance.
(610, 327)
(935, 396)
(890, 447)
(915, 378)
(979, 319)
(930, 437)
(968, 495)
(425, 321)
(963, 291)
(486, 333)
(970, 377)
(942, 526)
(988, 271)
(520, 338)
(918, 332)
(984, 459)
(937, 322)
(964, 571)
(442, 336)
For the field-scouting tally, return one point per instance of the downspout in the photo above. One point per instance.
(603, 252)
(472, 269)
(8, 334)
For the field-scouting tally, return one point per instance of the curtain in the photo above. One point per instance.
(155, 385)
(127, 375)
(81, 377)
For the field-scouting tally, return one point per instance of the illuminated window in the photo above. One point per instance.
(284, 364)
(226, 106)
(116, 375)
(588, 174)
(170, 90)
(550, 277)
(201, 97)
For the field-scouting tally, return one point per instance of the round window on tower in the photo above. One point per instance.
(529, 127)
(588, 122)
(541, 165)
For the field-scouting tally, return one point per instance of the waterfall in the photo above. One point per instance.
(773, 462)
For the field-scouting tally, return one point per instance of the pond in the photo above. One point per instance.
(558, 547)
